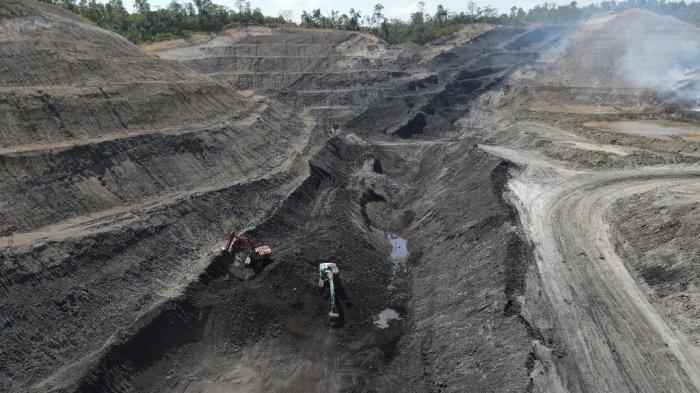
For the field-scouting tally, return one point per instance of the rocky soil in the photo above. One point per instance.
(547, 194)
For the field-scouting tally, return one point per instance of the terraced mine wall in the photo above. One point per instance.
(124, 169)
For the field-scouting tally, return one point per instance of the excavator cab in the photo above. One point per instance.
(328, 273)
(258, 256)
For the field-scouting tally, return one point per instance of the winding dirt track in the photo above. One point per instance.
(616, 337)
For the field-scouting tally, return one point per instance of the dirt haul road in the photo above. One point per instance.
(619, 340)
(608, 314)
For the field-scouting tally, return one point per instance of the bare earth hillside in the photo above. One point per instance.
(546, 180)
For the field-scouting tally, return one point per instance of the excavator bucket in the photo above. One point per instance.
(225, 249)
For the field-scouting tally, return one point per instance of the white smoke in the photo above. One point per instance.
(667, 63)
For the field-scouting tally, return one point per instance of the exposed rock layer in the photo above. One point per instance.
(122, 173)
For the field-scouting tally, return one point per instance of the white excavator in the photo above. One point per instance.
(328, 274)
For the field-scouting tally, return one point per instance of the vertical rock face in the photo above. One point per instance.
(124, 168)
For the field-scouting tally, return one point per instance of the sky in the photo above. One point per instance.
(393, 8)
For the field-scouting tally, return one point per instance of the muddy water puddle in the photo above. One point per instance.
(399, 250)
(383, 318)
(399, 284)
(399, 258)
(663, 129)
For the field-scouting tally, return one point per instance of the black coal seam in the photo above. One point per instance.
(169, 326)
(414, 126)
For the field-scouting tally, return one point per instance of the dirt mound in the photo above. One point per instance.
(47, 46)
(634, 49)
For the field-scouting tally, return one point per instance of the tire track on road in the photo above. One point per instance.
(616, 338)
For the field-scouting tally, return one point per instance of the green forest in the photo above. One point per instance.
(147, 24)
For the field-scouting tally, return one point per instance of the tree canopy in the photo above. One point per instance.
(148, 23)
(423, 27)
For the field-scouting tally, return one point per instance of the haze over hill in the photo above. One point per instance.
(546, 179)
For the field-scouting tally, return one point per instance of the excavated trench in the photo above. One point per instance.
(220, 313)
(192, 341)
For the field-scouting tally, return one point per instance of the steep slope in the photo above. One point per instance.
(108, 157)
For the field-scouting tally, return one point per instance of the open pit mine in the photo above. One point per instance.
(280, 209)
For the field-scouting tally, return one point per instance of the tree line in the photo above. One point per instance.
(148, 24)
(423, 27)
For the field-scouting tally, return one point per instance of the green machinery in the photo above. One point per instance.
(328, 273)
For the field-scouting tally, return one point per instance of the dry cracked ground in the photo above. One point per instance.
(546, 179)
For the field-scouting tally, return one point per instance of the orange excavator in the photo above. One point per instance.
(256, 255)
